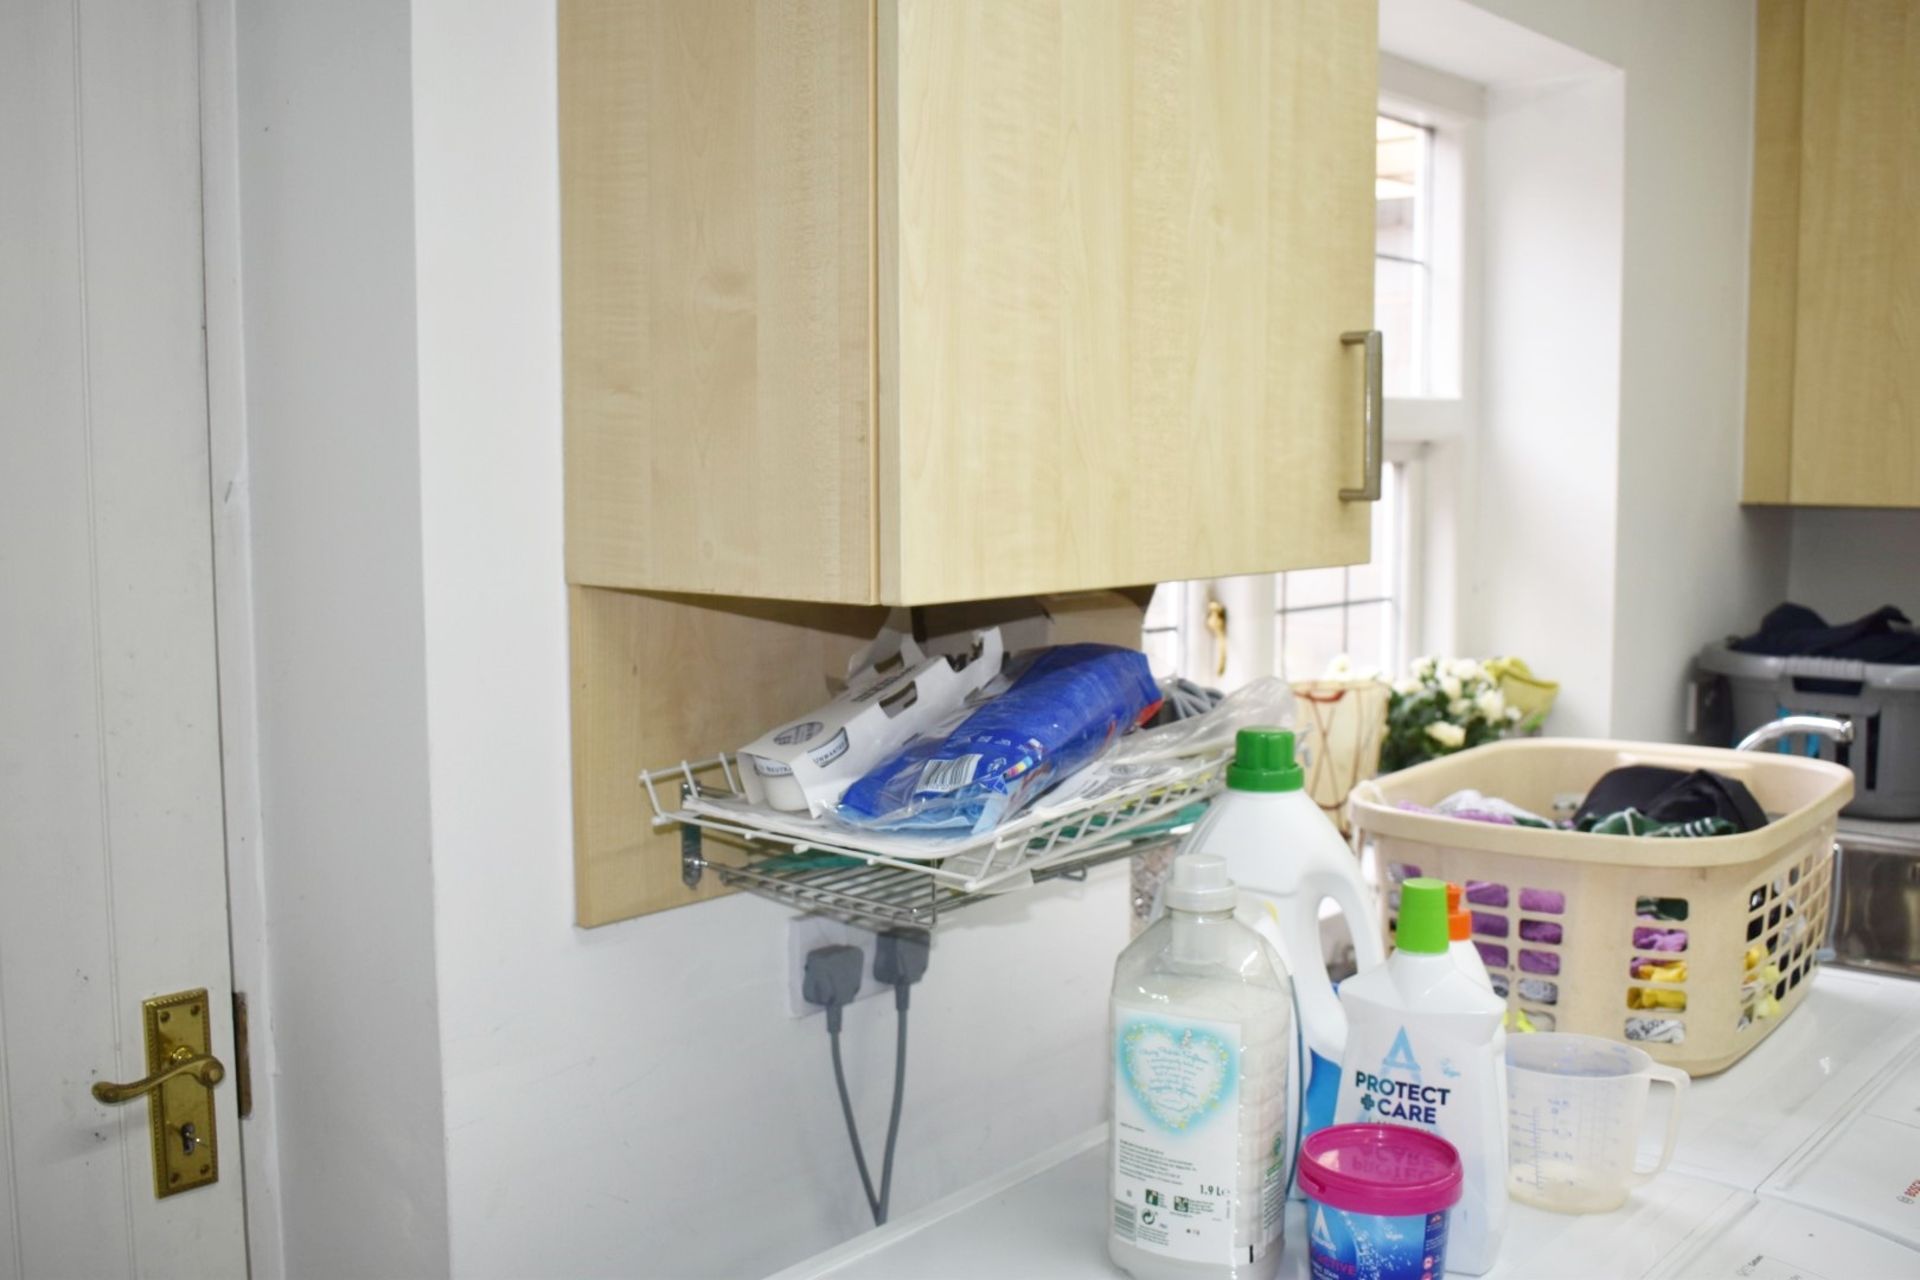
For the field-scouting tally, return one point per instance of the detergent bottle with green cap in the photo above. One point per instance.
(1422, 1050)
(1288, 858)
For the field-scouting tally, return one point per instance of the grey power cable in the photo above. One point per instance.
(875, 1205)
(900, 960)
(832, 981)
(899, 1091)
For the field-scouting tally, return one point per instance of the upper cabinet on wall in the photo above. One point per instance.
(924, 300)
(1833, 349)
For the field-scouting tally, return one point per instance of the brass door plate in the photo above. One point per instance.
(180, 1112)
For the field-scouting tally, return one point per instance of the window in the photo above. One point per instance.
(1292, 624)
(1226, 632)
(1403, 252)
(1358, 610)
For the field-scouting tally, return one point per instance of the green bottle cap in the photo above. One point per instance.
(1423, 917)
(1263, 761)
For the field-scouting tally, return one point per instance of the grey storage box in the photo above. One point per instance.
(1736, 693)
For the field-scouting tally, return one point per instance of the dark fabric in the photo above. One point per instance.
(1671, 796)
(1795, 631)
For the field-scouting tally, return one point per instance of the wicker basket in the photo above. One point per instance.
(1695, 950)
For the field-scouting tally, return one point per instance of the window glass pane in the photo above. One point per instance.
(1379, 578)
(1401, 269)
(1304, 588)
(1370, 637)
(1373, 580)
(1399, 312)
(1399, 187)
(1309, 641)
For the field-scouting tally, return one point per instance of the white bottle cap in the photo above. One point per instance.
(1200, 884)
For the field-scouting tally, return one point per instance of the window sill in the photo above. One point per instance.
(1427, 419)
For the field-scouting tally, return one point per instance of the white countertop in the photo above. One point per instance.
(1790, 1164)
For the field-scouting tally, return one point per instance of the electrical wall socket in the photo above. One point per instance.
(805, 934)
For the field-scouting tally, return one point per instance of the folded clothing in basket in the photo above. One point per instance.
(1633, 800)
(1472, 806)
(1632, 822)
(1795, 631)
(1651, 800)
(1064, 705)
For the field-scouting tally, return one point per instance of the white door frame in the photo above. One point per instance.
(233, 618)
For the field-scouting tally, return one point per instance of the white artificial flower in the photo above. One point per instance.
(1450, 686)
(1423, 668)
(1447, 735)
(1466, 669)
(1513, 715)
(1408, 687)
(1492, 704)
(1339, 667)
(1458, 708)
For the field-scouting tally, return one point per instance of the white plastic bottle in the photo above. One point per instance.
(1288, 858)
(1422, 1050)
(1202, 1025)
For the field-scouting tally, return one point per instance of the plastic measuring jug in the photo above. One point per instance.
(1575, 1107)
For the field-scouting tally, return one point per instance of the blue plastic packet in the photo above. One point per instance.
(1057, 714)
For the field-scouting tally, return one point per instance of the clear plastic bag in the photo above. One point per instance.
(1058, 709)
(1263, 701)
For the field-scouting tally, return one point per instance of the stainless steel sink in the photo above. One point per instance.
(1876, 920)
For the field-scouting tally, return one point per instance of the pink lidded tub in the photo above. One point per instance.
(1378, 1197)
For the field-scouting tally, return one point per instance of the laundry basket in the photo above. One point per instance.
(1694, 949)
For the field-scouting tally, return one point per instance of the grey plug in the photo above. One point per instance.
(832, 979)
(900, 960)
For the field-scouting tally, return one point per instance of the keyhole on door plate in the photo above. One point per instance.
(189, 1140)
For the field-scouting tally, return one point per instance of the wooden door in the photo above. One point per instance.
(1119, 241)
(112, 855)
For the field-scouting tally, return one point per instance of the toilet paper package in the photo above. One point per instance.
(895, 692)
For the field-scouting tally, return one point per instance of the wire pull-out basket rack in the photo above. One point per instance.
(891, 880)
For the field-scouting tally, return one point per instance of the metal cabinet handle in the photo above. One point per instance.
(203, 1067)
(1374, 411)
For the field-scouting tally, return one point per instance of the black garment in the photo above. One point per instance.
(1795, 631)
(1669, 795)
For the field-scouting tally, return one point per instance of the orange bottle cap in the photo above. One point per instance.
(1459, 926)
(1454, 894)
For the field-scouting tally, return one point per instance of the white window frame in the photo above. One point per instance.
(1436, 433)
(1452, 108)
(1252, 602)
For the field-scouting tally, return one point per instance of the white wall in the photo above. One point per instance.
(634, 1099)
(1546, 493)
(1692, 564)
(327, 265)
(1688, 563)
(1847, 562)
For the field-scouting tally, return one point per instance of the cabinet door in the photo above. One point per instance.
(1119, 241)
(1856, 396)
(717, 258)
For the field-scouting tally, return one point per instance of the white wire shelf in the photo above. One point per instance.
(891, 879)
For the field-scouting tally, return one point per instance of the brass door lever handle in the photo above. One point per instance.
(203, 1067)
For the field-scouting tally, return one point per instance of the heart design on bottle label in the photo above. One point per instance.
(1179, 1075)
